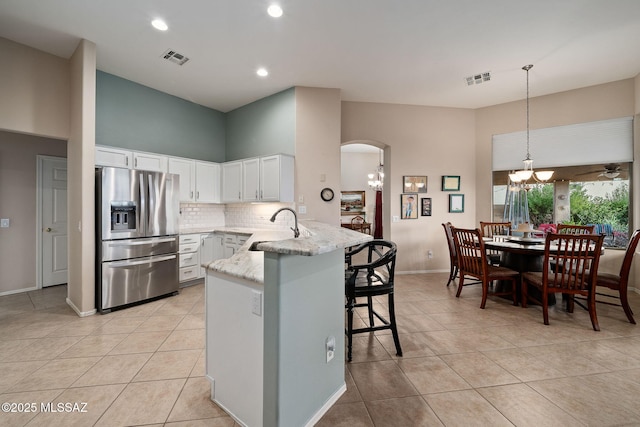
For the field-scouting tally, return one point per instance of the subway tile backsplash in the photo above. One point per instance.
(253, 215)
(256, 215)
(201, 215)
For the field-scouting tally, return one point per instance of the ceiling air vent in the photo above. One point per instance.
(175, 57)
(478, 78)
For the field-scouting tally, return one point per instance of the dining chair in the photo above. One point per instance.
(494, 230)
(575, 229)
(368, 280)
(579, 255)
(618, 282)
(357, 223)
(453, 257)
(472, 261)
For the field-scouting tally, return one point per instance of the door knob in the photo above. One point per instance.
(48, 229)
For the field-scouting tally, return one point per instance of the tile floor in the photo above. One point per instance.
(461, 366)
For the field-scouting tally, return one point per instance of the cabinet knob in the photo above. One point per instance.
(48, 229)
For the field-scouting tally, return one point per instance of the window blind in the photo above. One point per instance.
(605, 141)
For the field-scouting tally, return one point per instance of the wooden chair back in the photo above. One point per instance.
(575, 257)
(625, 268)
(471, 253)
(490, 229)
(357, 223)
(575, 229)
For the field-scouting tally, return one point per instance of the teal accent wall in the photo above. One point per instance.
(266, 126)
(136, 117)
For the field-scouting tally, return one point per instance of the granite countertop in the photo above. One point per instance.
(315, 238)
(218, 229)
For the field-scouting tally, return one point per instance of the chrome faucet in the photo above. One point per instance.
(296, 232)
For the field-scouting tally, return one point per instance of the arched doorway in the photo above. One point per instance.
(359, 159)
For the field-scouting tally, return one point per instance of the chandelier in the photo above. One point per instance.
(376, 178)
(522, 176)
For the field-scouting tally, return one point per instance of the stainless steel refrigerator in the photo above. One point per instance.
(136, 236)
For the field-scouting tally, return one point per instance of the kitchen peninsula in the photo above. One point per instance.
(275, 325)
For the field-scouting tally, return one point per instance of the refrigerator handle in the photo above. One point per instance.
(142, 196)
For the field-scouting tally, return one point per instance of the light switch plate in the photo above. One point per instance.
(4, 223)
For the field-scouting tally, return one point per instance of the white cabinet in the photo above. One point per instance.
(109, 156)
(251, 180)
(232, 182)
(266, 179)
(276, 178)
(187, 171)
(119, 158)
(189, 254)
(232, 242)
(207, 182)
(149, 162)
(207, 251)
(199, 181)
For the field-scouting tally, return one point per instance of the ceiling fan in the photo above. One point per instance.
(610, 170)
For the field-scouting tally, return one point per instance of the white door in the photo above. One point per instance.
(53, 184)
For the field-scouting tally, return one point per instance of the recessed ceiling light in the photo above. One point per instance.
(262, 72)
(159, 24)
(274, 11)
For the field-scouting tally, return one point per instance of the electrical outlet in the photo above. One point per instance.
(256, 303)
(430, 254)
(4, 222)
(330, 346)
(300, 199)
(395, 218)
(302, 209)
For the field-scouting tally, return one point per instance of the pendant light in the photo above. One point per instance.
(522, 176)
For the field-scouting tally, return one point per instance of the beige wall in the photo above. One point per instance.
(18, 203)
(35, 91)
(81, 191)
(601, 102)
(420, 140)
(318, 152)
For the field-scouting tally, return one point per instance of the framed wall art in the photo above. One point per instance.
(409, 206)
(425, 202)
(456, 203)
(450, 183)
(352, 203)
(414, 184)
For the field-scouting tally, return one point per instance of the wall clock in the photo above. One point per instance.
(326, 194)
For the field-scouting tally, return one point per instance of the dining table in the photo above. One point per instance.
(521, 254)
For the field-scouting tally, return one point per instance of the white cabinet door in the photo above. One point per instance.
(149, 162)
(207, 250)
(187, 171)
(218, 246)
(232, 182)
(108, 156)
(276, 178)
(251, 180)
(207, 182)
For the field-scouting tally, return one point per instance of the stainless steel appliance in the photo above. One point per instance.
(136, 236)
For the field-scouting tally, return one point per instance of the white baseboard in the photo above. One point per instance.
(423, 271)
(77, 310)
(328, 404)
(18, 291)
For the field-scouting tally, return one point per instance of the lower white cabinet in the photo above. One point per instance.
(232, 242)
(189, 254)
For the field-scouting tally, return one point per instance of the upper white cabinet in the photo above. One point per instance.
(232, 182)
(116, 157)
(265, 179)
(187, 170)
(251, 180)
(149, 162)
(199, 181)
(207, 182)
(119, 158)
(276, 178)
